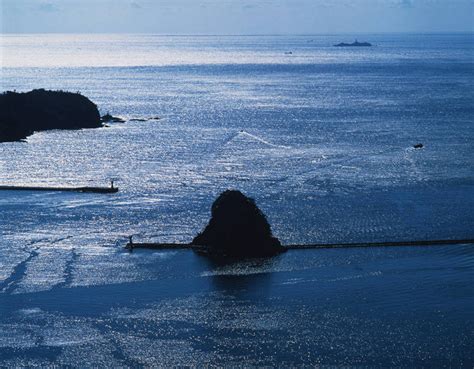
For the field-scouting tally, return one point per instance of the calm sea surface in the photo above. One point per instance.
(320, 138)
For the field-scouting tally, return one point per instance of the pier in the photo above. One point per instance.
(158, 246)
(380, 244)
(182, 246)
(61, 189)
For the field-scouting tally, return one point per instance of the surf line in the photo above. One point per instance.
(179, 246)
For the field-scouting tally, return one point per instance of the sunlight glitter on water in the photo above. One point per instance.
(322, 140)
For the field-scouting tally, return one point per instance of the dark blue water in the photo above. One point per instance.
(322, 139)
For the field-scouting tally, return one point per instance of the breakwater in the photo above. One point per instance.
(61, 189)
(180, 246)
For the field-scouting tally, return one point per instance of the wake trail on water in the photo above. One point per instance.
(20, 270)
(409, 157)
(254, 138)
(18, 273)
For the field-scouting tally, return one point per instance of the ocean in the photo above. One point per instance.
(321, 137)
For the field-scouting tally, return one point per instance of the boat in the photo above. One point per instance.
(354, 44)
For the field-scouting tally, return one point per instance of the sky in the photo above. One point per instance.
(235, 16)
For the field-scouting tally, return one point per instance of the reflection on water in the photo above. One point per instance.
(378, 307)
(242, 279)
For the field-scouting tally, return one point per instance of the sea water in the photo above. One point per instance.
(321, 138)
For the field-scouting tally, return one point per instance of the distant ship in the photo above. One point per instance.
(355, 43)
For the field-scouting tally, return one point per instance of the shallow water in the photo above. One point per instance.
(322, 139)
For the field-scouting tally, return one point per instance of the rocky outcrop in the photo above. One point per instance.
(107, 118)
(144, 119)
(21, 114)
(237, 228)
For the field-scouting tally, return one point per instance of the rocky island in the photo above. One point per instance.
(237, 228)
(21, 114)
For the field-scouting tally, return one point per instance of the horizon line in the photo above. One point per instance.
(245, 34)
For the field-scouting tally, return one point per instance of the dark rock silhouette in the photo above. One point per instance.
(107, 118)
(354, 44)
(418, 146)
(21, 114)
(144, 119)
(237, 228)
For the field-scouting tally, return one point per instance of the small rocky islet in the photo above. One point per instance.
(108, 118)
(237, 228)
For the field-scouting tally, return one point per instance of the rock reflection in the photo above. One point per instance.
(249, 279)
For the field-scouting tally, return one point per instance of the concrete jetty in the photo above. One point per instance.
(158, 246)
(61, 189)
(181, 246)
(380, 244)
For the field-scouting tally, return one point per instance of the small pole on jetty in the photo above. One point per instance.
(130, 243)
